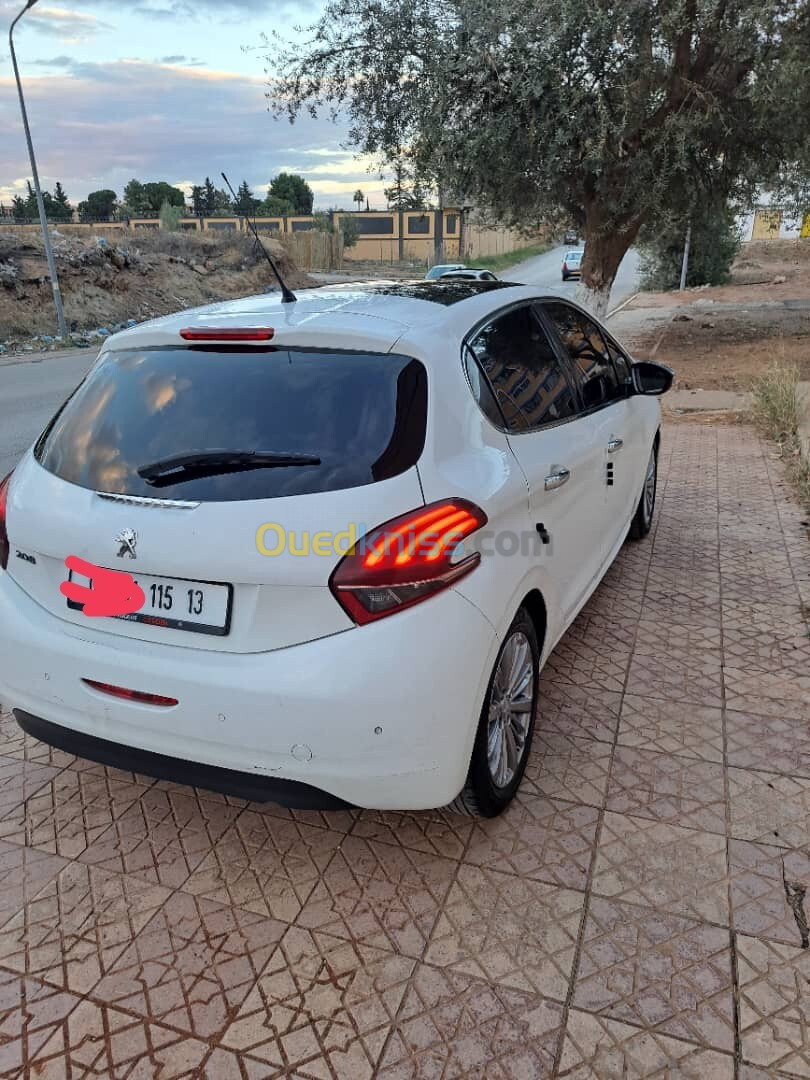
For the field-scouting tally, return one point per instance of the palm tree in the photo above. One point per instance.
(358, 198)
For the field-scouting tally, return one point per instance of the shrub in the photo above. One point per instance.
(715, 242)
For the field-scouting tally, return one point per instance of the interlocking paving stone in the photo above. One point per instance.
(508, 930)
(453, 1025)
(31, 1013)
(759, 873)
(568, 709)
(70, 811)
(434, 832)
(544, 839)
(596, 1048)
(658, 971)
(769, 808)
(265, 864)
(567, 767)
(97, 1041)
(779, 744)
(151, 930)
(671, 727)
(163, 836)
(23, 872)
(322, 1006)
(192, 965)
(14, 743)
(655, 864)
(18, 781)
(77, 925)
(582, 659)
(379, 895)
(666, 787)
(774, 1005)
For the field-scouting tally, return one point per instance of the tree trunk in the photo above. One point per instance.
(604, 250)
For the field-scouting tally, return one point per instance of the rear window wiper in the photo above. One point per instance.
(196, 463)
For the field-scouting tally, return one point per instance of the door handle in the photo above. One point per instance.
(556, 479)
(614, 445)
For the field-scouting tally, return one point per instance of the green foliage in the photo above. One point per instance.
(351, 234)
(210, 201)
(273, 206)
(98, 206)
(149, 198)
(170, 217)
(615, 114)
(714, 243)
(135, 198)
(246, 203)
(358, 198)
(406, 192)
(57, 207)
(294, 190)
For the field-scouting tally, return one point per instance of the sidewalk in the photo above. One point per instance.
(640, 911)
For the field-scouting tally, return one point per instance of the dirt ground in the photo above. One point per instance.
(723, 337)
(104, 283)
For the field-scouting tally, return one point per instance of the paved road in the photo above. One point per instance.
(544, 270)
(30, 393)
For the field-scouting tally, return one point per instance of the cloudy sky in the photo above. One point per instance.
(160, 90)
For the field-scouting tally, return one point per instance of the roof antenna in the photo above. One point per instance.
(287, 295)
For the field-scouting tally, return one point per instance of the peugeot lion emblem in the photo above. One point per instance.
(128, 539)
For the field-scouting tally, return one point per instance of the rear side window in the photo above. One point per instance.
(363, 415)
(523, 371)
(599, 381)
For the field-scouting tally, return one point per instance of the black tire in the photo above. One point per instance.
(481, 795)
(643, 517)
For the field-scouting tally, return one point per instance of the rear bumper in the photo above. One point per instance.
(146, 763)
(380, 716)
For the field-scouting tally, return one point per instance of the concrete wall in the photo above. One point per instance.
(384, 236)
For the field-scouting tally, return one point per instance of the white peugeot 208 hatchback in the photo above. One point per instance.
(347, 530)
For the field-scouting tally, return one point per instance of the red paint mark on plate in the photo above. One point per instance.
(111, 592)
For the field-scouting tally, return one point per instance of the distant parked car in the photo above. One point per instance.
(572, 264)
(571, 237)
(443, 268)
(469, 274)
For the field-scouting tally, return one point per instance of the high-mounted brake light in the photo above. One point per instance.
(206, 333)
(406, 560)
(130, 695)
(3, 531)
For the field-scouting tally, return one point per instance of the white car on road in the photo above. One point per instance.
(359, 524)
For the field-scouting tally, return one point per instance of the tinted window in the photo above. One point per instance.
(585, 344)
(362, 414)
(523, 371)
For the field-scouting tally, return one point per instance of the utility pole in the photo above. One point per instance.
(685, 263)
(57, 296)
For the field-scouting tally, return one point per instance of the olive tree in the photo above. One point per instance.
(606, 113)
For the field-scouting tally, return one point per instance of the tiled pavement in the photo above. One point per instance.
(640, 911)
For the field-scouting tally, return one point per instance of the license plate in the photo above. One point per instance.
(200, 607)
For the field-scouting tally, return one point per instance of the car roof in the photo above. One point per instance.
(579, 252)
(371, 316)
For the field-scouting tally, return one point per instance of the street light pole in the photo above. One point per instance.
(57, 296)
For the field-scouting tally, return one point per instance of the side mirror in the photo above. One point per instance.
(647, 377)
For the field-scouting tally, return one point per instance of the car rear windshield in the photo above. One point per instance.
(363, 415)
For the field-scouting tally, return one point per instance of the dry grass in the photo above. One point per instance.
(776, 409)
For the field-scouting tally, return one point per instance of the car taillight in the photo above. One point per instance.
(209, 333)
(3, 531)
(140, 696)
(407, 559)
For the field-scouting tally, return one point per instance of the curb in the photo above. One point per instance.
(622, 305)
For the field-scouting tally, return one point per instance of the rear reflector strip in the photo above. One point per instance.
(199, 333)
(131, 695)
